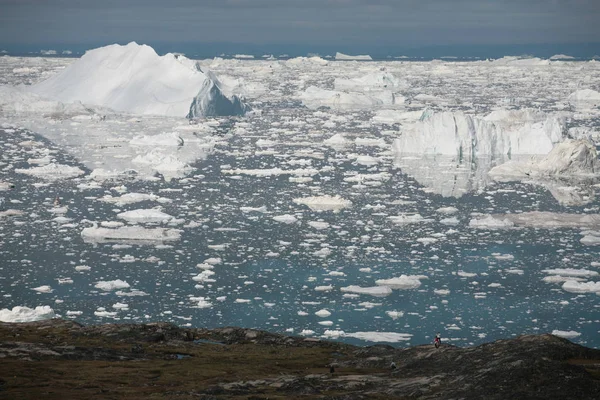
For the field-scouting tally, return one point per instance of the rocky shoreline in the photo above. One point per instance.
(62, 359)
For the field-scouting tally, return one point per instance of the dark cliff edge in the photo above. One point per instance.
(58, 359)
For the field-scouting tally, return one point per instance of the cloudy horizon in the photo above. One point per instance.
(325, 22)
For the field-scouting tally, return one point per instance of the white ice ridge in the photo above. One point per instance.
(500, 133)
(134, 79)
(568, 158)
(324, 203)
(346, 57)
(26, 314)
(133, 234)
(537, 219)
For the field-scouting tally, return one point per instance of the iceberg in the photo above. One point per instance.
(314, 97)
(500, 133)
(324, 203)
(568, 158)
(129, 234)
(26, 314)
(345, 57)
(134, 79)
(585, 99)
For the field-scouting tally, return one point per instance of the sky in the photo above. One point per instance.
(344, 23)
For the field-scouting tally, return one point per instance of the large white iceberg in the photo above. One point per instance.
(500, 133)
(134, 79)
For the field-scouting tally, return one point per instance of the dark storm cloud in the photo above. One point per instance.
(301, 21)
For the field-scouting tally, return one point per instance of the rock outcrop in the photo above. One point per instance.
(63, 359)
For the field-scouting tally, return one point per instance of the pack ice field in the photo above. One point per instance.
(365, 201)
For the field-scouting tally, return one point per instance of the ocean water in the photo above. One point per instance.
(268, 273)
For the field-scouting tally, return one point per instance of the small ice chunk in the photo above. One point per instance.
(566, 334)
(323, 313)
(286, 219)
(43, 289)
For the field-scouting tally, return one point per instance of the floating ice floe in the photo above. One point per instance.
(52, 171)
(406, 219)
(131, 198)
(285, 219)
(26, 314)
(337, 140)
(43, 289)
(318, 225)
(566, 334)
(134, 79)
(402, 282)
(111, 285)
(323, 313)
(570, 272)
(574, 286)
(324, 203)
(395, 314)
(10, 213)
(377, 291)
(130, 234)
(149, 216)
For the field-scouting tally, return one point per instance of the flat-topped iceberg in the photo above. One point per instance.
(346, 57)
(314, 97)
(500, 133)
(134, 79)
